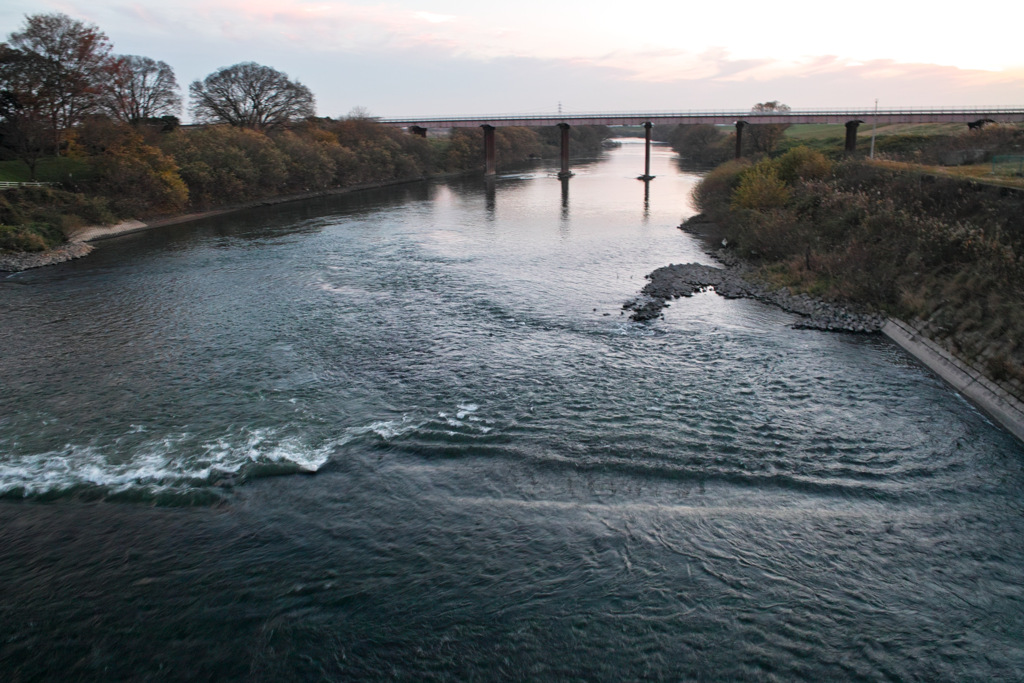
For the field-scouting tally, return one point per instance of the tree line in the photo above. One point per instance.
(112, 121)
(57, 71)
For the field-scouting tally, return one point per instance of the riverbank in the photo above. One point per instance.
(732, 281)
(79, 241)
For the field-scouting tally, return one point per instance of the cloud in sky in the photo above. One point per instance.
(404, 57)
(748, 29)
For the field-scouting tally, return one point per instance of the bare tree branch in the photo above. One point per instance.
(250, 95)
(140, 88)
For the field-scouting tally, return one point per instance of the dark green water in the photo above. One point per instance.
(511, 480)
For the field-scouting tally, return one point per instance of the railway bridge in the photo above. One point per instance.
(852, 118)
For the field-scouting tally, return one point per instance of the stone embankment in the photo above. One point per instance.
(684, 280)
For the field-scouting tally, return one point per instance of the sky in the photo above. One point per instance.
(458, 57)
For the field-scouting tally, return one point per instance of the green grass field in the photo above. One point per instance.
(826, 131)
(816, 131)
(981, 173)
(48, 170)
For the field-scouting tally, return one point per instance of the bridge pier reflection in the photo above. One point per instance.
(565, 198)
(647, 200)
(490, 196)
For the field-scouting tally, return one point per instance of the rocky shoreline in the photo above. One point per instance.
(684, 280)
(730, 280)
(38, 259)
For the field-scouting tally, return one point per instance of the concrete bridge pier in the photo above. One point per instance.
(739, 138)
(851, 136)
(647, 153)
(490, 167)
(565, 172)
(418, 130)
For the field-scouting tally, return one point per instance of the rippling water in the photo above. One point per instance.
(511, 479)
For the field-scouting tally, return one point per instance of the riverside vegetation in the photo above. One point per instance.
(113, 171)
(945, 253)
(948, 145)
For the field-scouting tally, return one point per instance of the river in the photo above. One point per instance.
(407, 434)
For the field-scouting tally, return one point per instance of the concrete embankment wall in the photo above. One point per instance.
(993, 400)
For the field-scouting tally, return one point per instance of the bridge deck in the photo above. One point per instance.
(883, 116)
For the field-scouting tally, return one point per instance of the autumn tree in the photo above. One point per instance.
(225, 164)
(69, 59)
(309, 161)
(764, 136)
(140, 88)
(250, 95)
(25, 97)
(136, 179)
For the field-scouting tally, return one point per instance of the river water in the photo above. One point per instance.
(407, 434)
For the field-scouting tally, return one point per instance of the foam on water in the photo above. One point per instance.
(181, 462)
(387, 429)
(465, 409)
(175, 462)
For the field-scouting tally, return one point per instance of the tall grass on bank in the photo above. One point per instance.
(38, 218)
(944, 251)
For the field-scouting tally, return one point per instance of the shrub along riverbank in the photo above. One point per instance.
(944, 253)
(117, 171)
(953, 145)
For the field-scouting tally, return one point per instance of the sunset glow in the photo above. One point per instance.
(403, 58)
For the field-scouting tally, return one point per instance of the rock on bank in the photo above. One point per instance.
(38, 259)
(685, 280)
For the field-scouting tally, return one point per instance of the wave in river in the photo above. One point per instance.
(184, 464)
(168, 465)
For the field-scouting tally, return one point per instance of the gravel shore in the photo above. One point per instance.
(38, 259)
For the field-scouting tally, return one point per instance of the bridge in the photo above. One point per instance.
(974, 117)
